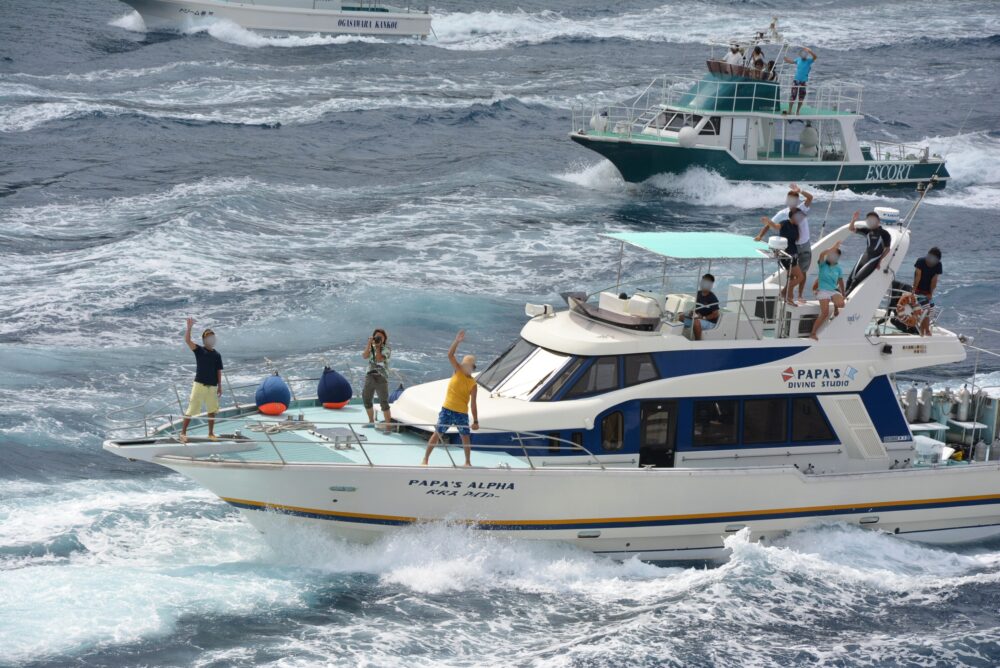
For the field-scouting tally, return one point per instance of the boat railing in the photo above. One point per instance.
(162, 401)
(701, 96)
(342, 435)
(884, 150)
(755, 315)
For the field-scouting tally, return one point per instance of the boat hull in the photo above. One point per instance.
(655, 514)
(638, 160)
(193, 13)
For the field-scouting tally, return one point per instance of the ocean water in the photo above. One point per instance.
(293, 192)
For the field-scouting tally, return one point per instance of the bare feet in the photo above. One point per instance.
(423, 463)
(814, 337)
(213, 437)
(183, 438)
(468, 464)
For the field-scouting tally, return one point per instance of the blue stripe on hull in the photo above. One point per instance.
(614, 524)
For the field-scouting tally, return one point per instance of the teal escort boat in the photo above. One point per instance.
(736, 121)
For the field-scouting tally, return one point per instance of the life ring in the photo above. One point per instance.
(908, 310)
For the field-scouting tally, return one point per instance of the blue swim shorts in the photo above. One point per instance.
(449, 418)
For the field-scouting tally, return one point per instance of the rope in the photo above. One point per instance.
(278, 427)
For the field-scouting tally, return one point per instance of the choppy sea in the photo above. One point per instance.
(295, 191)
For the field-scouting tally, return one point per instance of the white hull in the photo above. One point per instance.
(658, 514)
(173, 13)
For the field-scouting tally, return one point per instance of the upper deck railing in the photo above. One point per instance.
(718, 93)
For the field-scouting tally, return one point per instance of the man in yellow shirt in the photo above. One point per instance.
(455, 410)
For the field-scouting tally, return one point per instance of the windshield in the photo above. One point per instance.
(536, 370)
(506, 363)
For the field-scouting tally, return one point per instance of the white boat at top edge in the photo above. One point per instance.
(353, 17)
(608, 427)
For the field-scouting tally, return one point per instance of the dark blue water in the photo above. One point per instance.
(294, 192)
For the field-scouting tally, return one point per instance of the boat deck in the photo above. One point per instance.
(309, 434)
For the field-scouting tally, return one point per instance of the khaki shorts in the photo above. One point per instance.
(203, 394)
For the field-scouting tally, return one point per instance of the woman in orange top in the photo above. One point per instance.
(455, 410)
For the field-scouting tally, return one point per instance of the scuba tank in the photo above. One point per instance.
(962, 402)
(926, 398)
(910, 402)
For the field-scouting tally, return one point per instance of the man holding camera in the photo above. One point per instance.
(377, 352)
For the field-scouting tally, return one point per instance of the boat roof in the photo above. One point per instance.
(696, 245)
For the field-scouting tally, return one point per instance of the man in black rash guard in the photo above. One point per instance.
(878, 241)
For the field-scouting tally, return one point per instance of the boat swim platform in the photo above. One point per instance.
(310, 434)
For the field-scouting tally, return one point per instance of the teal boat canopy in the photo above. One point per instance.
(696, 245)
(723, 92)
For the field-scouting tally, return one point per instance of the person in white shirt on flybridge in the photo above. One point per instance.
(800, 200)
(734, 58)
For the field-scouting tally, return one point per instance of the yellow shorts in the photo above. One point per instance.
(203, 394)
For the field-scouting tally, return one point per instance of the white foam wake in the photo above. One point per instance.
(131, 21)
(973, 160)
(701, 21)
(698, 22)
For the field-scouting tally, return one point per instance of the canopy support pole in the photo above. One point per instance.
(621, 256)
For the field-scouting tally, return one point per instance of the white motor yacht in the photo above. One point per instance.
(607, 426)
(354, 17)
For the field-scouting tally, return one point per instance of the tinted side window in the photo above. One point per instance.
(808, 423)
(613, 431)
(711, 126)
(765, 421)
(504, 364)
(716, 422)
(560, 382)
(639, 369)
(600, 377)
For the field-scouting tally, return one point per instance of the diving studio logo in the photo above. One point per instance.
(818, 377)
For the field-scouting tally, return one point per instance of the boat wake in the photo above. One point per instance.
(225, 30)
(158, 559)
(974, 164)
(973, 160)
(700, 22)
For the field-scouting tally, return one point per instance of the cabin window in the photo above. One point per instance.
(808, 421)
(613, 431)
(504, 364)
(639, 369)
(716, 422)
(681, 120)
(765, 421)
(560, 382)
(600, 377)
(711, 126)
(577, 438)
(553, 445)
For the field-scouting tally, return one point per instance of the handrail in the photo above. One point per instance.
(275, 440)
(838, 97)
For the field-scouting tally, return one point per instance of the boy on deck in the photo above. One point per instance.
(803, 65)
(455, 410)
(207, 387)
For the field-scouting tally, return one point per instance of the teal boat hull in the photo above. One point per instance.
(638, 161)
